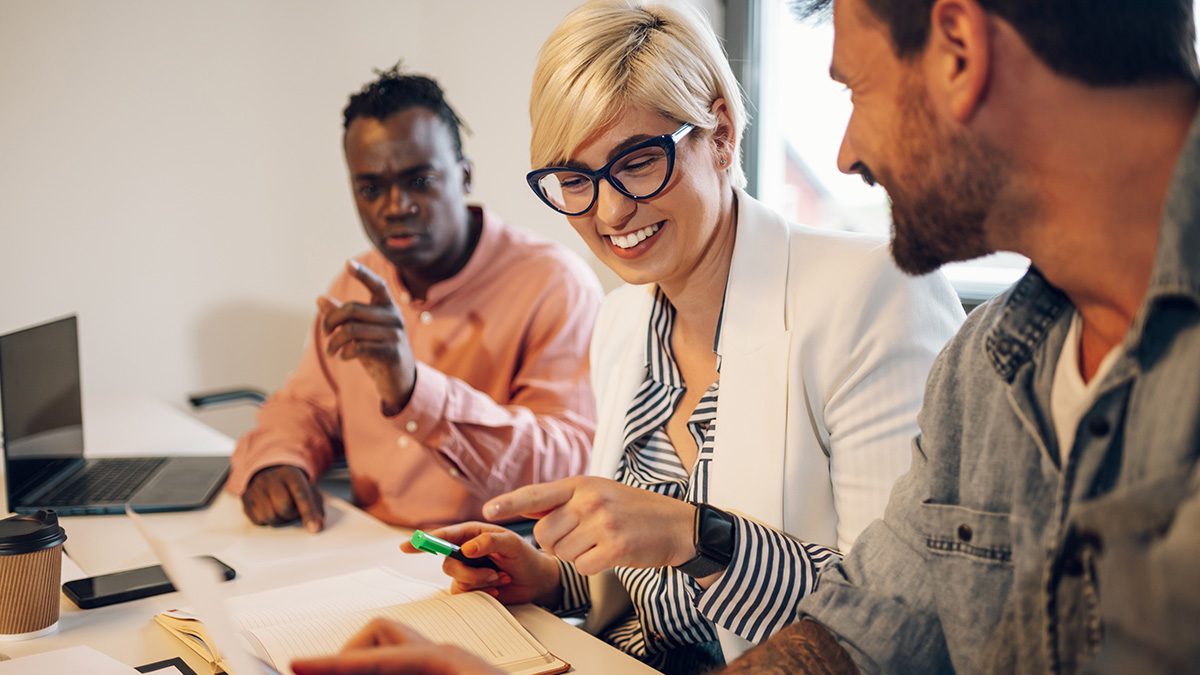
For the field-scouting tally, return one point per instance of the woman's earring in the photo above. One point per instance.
(724, 161)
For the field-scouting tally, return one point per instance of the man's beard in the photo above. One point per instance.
(941, 207)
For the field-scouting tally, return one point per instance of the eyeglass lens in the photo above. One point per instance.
(640, 173)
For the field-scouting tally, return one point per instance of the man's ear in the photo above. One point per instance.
(958, 57)
(724, 136)
(466, 175)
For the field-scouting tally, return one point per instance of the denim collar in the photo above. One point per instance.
(1030, 310)
(1034, 304)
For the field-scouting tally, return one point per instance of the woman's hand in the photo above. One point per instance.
(526, 574)
(385, 647)
(598, 523)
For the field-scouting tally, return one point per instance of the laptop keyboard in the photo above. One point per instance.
(106, 481)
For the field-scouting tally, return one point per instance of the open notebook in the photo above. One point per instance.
(317, 617)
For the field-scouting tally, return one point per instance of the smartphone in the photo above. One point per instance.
(143, 582)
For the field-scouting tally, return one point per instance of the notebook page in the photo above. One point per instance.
(473, 621)
(342, 594)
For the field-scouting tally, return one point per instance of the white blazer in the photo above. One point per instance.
(825, 347)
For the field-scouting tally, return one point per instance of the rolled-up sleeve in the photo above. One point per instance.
(543, 431)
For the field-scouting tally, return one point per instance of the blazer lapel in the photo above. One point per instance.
(748, 462)
(629, 372)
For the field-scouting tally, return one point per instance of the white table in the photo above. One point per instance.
(264, 557)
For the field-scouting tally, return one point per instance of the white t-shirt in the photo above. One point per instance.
(1070, 396)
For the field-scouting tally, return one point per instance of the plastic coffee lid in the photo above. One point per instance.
(30, 533)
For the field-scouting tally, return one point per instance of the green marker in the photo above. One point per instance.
(431, 544)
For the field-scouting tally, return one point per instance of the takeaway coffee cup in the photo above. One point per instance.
(30, 575)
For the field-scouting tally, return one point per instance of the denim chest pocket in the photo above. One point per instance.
(961, 532)
(970, 561)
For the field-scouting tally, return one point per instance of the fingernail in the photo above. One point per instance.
(493, 578)
(312, 526)
(493, 510)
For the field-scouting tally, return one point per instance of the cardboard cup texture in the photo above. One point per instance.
(29, 584)
(30, 575)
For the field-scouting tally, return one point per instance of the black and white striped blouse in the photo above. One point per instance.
(769, 572)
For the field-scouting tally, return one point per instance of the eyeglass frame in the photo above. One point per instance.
(668, 142)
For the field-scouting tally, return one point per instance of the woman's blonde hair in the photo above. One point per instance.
(609, 55)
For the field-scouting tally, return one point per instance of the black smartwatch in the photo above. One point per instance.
(713, 536)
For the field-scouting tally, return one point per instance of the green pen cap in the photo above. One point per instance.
(430, 544)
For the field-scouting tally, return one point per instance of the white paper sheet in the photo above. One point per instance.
(199, 583)
(79, 660)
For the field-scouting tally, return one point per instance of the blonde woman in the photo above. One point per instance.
(757, 381)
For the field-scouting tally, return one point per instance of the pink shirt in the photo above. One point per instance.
(502, 397)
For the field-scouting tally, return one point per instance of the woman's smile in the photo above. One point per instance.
(635, 243)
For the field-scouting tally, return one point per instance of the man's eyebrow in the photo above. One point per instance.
(372, 175)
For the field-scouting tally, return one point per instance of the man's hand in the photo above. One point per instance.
(599, 523)
(525, 575)
(803, 647)
(374, 334)
(387, 647)
(281, 494)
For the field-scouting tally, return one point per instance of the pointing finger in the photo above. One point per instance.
(531, 501)
(373, 282)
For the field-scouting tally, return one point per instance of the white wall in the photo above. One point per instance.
(172, 171)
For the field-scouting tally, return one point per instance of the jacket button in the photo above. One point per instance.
(1098, 426)
(964, 532)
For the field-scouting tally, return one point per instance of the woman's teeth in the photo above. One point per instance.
(633, 238)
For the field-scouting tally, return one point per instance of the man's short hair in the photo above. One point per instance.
(1098, 42)
(393, 92)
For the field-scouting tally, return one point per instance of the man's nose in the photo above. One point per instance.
(850, 163)
(399, 203)
(847, 160)
(612, 207)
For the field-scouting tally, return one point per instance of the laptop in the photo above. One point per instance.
(42, 415)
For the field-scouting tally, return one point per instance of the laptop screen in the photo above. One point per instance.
(40, 401)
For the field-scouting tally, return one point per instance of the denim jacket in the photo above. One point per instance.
(994, 556)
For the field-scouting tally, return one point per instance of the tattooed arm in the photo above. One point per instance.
(803, 647)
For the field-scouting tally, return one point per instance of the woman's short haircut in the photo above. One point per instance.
(611, 55)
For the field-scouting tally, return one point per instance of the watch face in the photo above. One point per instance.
(713, 539)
